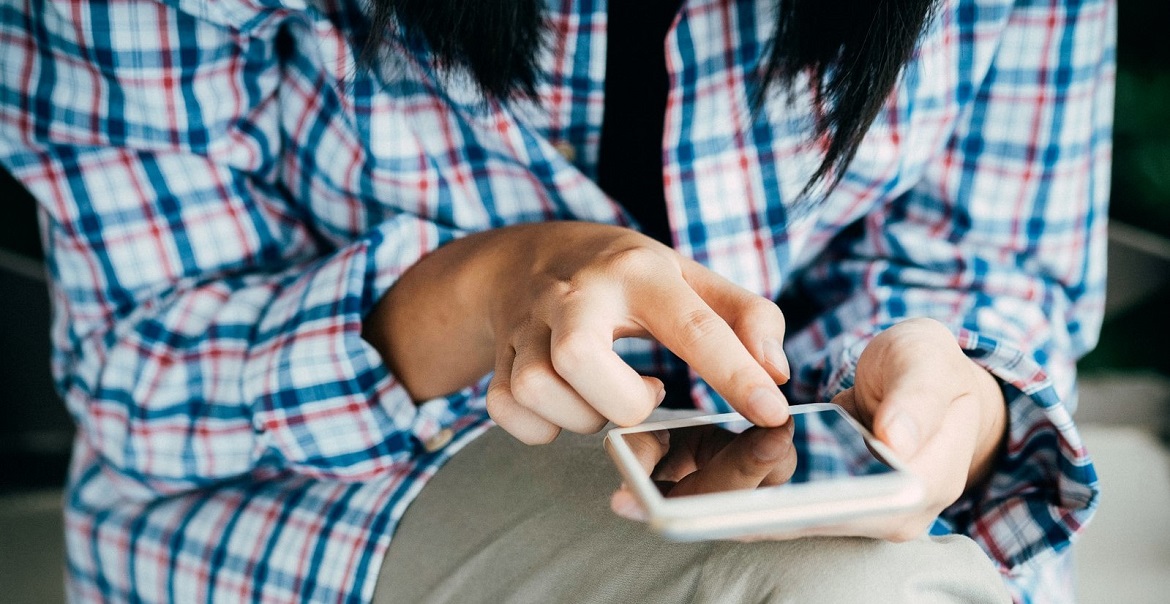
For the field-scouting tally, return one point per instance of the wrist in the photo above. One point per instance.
(992, 425)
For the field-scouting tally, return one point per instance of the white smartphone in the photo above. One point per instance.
(833, 471)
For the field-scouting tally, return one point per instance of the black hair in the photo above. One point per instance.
(496, 40)
(852, 51)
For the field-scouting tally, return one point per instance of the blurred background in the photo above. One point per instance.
(1124, 410)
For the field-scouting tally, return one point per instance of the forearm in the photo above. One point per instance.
(431, 327)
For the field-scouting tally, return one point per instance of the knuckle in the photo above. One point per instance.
(633, 260)
(760, 309)
(562, 291)
(497, 399)
(571, 351)
(530, 384)
(498, 391)
(696, 326)
(746, 378)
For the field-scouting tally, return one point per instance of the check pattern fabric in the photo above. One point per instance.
(225, 193)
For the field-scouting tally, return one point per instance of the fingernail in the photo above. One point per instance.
(661, 396)
(902, 433)
(774, 356)
(767, 448)
(663, 436)
(769, 405)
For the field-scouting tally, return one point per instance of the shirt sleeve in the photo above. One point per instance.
(1002, 240)
(203, 328)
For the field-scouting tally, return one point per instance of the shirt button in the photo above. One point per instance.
(566, 150)
(439, 440)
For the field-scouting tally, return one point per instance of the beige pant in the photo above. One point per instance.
(503, 522)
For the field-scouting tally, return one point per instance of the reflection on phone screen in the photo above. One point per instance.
(811, 447)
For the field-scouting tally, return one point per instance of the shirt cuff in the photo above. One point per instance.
(324, 401)
(1043, 488)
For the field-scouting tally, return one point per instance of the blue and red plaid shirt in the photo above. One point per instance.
(224, 194)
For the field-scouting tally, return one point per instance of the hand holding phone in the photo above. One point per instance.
(720, 477)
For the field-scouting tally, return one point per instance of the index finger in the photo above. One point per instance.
(699, 336)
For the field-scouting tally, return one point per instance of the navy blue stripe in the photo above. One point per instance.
(140, 524)
(178, 541)
(194, 129)
(762, 138)
(219, 555)
(1057, 81)
(95, 551)
(172, 213)
(260, 575)
(336, 510)
(382, 521)
(38, 104)
(696, 230)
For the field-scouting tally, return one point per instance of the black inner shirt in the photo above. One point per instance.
(630, 160)
(636, 84)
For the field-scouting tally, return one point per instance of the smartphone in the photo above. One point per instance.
(832, 471)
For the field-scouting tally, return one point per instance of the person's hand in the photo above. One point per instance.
(941, 413)
(708, 459)
(543, 303)
(581, 287)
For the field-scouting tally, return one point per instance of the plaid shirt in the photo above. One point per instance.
(224, 195)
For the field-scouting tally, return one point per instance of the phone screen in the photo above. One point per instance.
(811, 446)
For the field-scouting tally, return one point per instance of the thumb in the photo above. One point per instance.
(906, 417)
(909, 376)
(900, 430)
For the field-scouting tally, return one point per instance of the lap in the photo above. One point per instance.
(504, 522)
